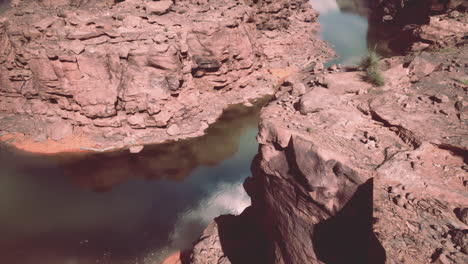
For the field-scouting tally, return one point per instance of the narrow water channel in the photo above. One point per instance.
(123, 208)
(344, 30)
(345, 25)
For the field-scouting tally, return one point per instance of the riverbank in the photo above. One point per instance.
(79, 143)
(136, 75)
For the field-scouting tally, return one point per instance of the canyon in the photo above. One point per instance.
(352, 173)
(346, 171)
(115, 74)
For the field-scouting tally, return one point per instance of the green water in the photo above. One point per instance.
(345, 25)
(120, 207)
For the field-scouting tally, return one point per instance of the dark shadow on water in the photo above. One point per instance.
(174, 161)
(347, 237)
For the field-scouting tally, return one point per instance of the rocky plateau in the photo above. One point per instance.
(348, 172)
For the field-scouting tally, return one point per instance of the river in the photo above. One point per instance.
(120, 207)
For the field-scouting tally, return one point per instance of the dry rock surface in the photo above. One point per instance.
(133, 72)
(352, 173)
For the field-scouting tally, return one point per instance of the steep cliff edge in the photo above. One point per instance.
(123, 73)
(351, 173)
(421, 25)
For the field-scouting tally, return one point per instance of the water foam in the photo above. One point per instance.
(226, 198)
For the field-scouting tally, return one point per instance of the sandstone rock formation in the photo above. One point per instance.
(377, 176)
(346, 172)
(422, 24)
(137, 71)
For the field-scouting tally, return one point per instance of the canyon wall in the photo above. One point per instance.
(351, 173)
(348, 172)
(122, 73)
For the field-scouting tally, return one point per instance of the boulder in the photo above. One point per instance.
(60, 130)
(158, 7)
(136, 149)
(421, 67)
(316, 100)
(173, 130)
(346, 82)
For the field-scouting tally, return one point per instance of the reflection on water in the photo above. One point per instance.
(224, 199)
(346, 26)
(119, 207)
(174, 160)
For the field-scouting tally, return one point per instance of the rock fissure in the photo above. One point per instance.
(351, 173)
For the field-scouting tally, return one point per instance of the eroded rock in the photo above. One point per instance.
(139, 67)
(374, 177)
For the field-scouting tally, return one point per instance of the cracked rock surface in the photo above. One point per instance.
(374, 175)
(134, 72)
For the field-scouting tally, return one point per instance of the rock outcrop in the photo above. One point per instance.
(414, 12)
(422, 25)
(376, 175)
(134, 72)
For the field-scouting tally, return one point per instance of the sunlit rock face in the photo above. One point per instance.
(136, 72)
(364, 176)
(98, 69)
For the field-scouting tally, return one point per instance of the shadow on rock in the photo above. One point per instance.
(230, 239)
(241, 238)
(348, 237)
